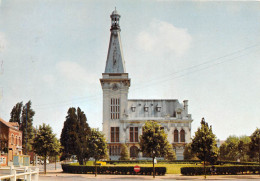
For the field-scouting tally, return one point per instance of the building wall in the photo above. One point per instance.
(9, 135)
(16, 143)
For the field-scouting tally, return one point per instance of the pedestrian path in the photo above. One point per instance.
(58, 175)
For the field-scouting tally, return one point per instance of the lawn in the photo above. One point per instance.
(171, 168)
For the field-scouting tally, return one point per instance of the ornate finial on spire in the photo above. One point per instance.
(115, 20)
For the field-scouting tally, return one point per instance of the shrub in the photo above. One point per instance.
(220, 170)
(150, 161)
(236, 163)
(112, 170)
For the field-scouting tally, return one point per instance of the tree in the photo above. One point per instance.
(97, 146)
(153, 141)
(204, 143)
(83, 131)
(56, 150)
(188, 154)
(170, 154)
(124, 155)
(16, 113)
(229, 149)
(235, 148)
(243, 148)
(27, 126)
(254, 146)
(44, 142)
(74, 135)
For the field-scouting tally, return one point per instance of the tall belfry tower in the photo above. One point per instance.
(115, 84)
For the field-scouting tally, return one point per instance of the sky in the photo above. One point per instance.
(54, 53)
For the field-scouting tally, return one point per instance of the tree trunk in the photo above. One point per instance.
(153, 169)
(259, 153)
(45, 157)
(204, 165)
(55, 163)
(95, 167)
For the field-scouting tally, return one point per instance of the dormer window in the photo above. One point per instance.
(158, 108)
(179, 111)
(145, 108)
(133, 108)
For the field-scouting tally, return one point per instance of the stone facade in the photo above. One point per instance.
(123, 118)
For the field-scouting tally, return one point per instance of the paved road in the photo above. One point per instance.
(58, 175)
(77, 177)
(50, 167)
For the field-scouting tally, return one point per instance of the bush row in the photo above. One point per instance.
(220, 170)
(236, 163)
(150, 161)
(112, 170)
(178, 162)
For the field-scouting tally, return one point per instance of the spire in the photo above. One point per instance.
(115, 60)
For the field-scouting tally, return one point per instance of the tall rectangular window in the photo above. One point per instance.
(114, 134)
(115, 108)
(133, 134)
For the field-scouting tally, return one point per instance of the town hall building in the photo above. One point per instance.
(124, 118)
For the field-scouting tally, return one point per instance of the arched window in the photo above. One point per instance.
(182, 135)
(176, 135)
(16, 140)
(133, 151)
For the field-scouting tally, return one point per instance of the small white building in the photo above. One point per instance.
(123, 119)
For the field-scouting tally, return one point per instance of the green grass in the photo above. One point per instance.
(171, 168)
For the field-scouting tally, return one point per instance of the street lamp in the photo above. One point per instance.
(153, 164)
(258, 136)
(96, 140)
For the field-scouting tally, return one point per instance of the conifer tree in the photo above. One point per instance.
(74, 135)
(204, 143)
(83, 131)
(27, 126)
(15, 115)
(69, 135)
(124, 155)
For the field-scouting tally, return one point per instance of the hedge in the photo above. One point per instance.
(112, 170)
(178, 162)
(150, 161)
(220, 170)
(236, 163)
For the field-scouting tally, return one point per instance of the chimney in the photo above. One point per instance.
(185, 106)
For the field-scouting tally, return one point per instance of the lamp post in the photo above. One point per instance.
(96, 140)
(204, 151)
(26, 130)
(153, 164)
(258, 136)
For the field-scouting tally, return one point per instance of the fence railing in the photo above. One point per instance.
(27, 173)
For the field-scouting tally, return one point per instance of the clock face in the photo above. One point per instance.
(115, 87)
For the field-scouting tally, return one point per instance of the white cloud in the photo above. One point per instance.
(49, 79)
(74, 72)
(2, 42)
(162, 37)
